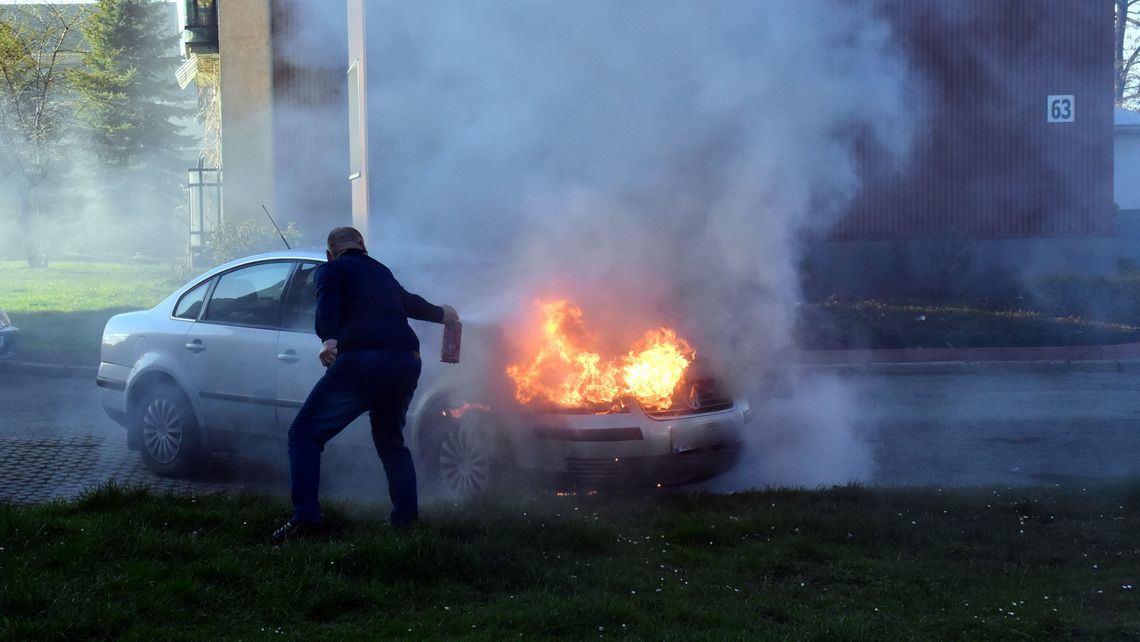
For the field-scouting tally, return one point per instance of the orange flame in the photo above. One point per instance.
(566, 373)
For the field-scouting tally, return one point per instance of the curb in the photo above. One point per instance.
(60, 370)
(1113, 352)
(972, 367)
(1124, 357)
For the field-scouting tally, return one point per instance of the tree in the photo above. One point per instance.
(127, 78)
(1127, 53)
(37, 107)
(133, 102)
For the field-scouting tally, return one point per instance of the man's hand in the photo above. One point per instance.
(449, 314)
(328, 352)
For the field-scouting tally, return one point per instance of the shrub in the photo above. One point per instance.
(242, 238)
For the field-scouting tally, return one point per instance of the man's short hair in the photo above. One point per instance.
(344, 238)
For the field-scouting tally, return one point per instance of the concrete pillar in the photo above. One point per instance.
(244, 29)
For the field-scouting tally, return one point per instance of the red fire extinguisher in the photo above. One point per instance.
(452, 334)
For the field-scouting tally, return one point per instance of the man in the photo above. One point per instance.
(373, 362)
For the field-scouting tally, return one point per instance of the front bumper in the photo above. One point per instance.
(633, 448)
(666, 470)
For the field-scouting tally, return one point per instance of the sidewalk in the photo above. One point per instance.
(34, 471)
(1095, 358)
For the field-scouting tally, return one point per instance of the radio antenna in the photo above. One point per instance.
(276, 228)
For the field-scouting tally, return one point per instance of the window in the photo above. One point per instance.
(249, 296)
(301, 302)
(190, 304)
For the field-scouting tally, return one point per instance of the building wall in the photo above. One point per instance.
(952, 267)
(1126, 169)
(247, 109)
(993, 195)
(1126, 173)
(987, 164)
(284, 113)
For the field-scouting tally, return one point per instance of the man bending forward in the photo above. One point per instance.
(373, 362)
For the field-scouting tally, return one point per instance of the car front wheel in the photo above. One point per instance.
(169, 440)
(463, 459)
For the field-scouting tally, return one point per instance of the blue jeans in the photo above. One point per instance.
(380, 382)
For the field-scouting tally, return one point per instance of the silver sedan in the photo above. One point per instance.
(227, 360)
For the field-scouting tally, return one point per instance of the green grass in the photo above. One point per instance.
(63, 308)
(846, 563)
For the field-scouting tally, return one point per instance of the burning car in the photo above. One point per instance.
(8, 334)
(230, 357)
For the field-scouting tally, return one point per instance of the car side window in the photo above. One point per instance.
(249, 296)
(301, 300)
(190, 304)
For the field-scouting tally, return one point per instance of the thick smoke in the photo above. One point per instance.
(654, 162)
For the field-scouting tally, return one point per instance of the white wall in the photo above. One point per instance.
(1126, 172)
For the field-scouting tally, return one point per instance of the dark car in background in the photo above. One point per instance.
(230, 357)
(8, 334)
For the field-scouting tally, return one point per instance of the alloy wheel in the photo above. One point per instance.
(465, 461)
(162, 430)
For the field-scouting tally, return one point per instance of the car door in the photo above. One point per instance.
(297, 368)
(231, 349)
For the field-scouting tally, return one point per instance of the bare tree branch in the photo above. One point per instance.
(37, 106)
(1127, 52)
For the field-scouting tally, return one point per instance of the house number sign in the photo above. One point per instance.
(1060, 109)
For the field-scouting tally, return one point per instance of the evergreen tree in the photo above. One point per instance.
(127, 78)
(132, 104)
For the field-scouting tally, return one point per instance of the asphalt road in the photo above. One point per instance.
(1018, 428)
(917, 429)
(40, 407)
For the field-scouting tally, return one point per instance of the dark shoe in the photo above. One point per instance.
(294, 530)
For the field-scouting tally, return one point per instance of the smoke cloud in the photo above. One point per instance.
(81, 206)
(655, 163)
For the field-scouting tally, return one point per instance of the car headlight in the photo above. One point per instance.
(4, 320)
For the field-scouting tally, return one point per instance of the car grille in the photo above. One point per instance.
(682, 468)
(695, 398)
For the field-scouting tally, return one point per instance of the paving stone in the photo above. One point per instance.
(35, 471)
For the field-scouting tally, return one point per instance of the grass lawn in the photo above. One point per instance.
(63, 308)
(846, 563)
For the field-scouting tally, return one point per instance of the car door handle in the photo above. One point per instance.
(288, 355)
(196, 346)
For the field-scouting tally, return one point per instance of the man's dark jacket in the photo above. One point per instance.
(363, 307)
